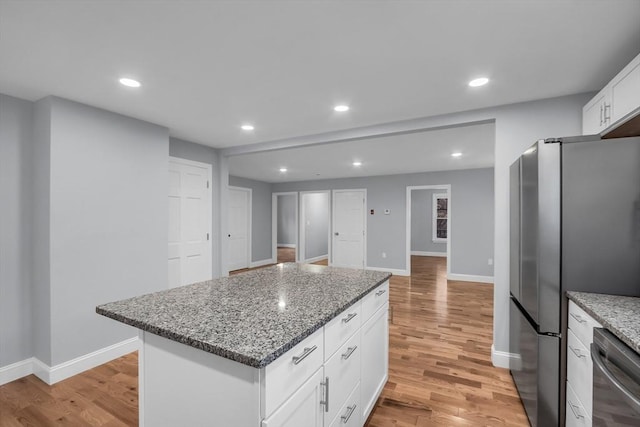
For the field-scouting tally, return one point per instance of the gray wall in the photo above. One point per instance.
(200, 153)
(422, 222)
(16, 144)
(261, 216)
(287, 219)
(316, 224)
(471, 215)
(108, 224)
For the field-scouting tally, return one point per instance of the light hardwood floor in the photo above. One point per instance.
(440, 371)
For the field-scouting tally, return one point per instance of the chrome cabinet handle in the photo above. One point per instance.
(578, 318)
(380, 292)
(325, 402)
(606, 118)
(600, 114)
(577, 352)
(575, 409)
(349, 317)
(345, 417)
(306, 352)
(349, 352)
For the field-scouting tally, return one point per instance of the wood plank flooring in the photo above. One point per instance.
(440, 371)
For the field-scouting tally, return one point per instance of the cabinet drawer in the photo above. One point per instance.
(338, 330)
(374, 300)
(287, 373)
(343, 372)
(580, 370)
(576, 414)
(349, 413)
(582, 324)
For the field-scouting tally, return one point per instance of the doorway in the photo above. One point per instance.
(190, 250)
(314, 226)
(349, 225)
(284, 223)
(428, 225)
(239, 234)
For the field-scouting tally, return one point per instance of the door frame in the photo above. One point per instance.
(249, 193)
(301, 224)
(441, 187)
(209, 212)
(364, 214)
(274, 224)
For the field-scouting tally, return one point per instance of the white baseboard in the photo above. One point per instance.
(260, 263)
(316, 259)
(287, 245)
(16, 370)
(394, 271)
(503, 359)
(423, 253)
(470, 278)
(52, 375)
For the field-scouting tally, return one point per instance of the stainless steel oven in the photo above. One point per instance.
(616, 381)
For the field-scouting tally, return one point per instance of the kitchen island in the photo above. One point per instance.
(291, 344)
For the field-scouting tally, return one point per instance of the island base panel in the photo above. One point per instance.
(216, 391)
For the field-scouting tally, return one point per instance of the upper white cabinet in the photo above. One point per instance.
(615, 110)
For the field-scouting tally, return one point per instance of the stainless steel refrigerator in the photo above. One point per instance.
(574, 225)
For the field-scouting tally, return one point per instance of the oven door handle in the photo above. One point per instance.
(632, 400)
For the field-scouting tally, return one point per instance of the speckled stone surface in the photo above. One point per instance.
(620, 315)
(253, 317)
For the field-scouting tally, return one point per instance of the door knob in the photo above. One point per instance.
(336, 233)
(229, 235)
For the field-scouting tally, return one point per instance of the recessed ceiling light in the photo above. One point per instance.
(341, 108)
(247, 127)
(479, 82)
(129, 82)
(456, 154)
(357, 164)
(283, 170)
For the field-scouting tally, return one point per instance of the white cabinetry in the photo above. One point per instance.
(375, 348)
(616, 105)
(579, 367)
(302, 407)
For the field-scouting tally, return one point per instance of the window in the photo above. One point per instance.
(440, 217)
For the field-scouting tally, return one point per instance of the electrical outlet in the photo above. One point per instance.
(490, 261)
(384, 254)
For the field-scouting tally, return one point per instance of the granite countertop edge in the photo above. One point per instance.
(230, 354)
(618, 314)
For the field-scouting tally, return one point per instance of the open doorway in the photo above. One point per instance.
(285, 227)
(314, 226)
(428, 222)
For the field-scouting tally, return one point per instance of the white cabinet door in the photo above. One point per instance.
(625, 91)
(595, 113)
(303, 408)
(374, 359)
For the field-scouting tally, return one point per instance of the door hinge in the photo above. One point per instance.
(207, 236)
(207, 184)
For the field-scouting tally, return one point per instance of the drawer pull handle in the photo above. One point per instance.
(345, 417)
(307, 351)
(575, 409)
(349, 352)
(577, 352)
(380, 292)
(349, 317)
(578, 318)
(325, 402)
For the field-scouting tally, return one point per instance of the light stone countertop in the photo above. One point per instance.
(619, 314)
(253, 317)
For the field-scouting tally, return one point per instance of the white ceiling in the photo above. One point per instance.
(408, 153)
(208, 66)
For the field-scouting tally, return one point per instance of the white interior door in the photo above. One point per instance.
(239, 227)
(348, 238)
(190, 259)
